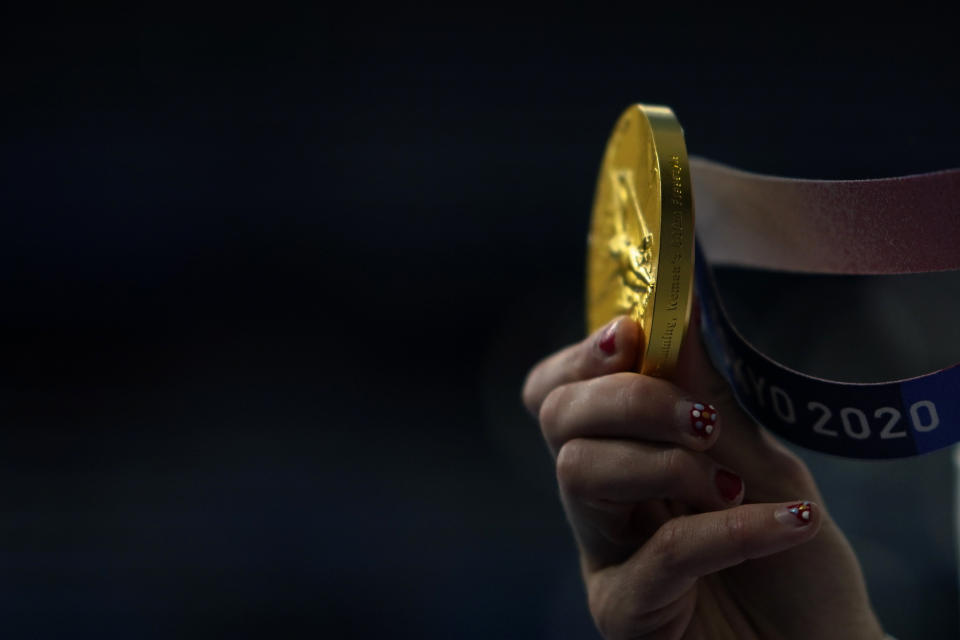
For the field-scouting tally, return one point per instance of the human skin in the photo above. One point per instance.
(668, 547)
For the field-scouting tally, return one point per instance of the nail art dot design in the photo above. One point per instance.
(801, 511)
(703, 419)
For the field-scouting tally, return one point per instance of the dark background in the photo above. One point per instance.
(268, 293)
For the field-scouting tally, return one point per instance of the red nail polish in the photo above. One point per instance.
(729, 484)
(703, 419)
(799, 513)
(608, 339)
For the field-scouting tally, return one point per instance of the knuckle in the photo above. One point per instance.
(736, 527)
(550, 412)
(531, 399)
(572, 461)
(669, 543)
(631, 397)
(674, 465)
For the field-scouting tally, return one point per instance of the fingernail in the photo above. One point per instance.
(729, 484)
(796, 515)
(703, 419)
(608, 339)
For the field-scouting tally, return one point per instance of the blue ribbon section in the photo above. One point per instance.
(882, 420)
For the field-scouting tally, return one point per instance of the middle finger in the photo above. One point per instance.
(628, 405)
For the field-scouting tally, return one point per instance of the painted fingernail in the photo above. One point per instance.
(703, 419)
(608, 339)
(796, 515)
(729, 484)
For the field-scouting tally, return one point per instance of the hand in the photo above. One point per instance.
(687, 531)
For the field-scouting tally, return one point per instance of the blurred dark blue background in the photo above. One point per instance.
(269, 293)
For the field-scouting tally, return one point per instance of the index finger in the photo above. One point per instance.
(611, 349)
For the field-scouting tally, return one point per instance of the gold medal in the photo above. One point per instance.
(640, 247)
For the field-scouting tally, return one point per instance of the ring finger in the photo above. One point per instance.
(602, 481)
(628, 405)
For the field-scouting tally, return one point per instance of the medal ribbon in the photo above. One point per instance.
(839, 227)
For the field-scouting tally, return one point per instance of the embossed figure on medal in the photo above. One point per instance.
(635, 260)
